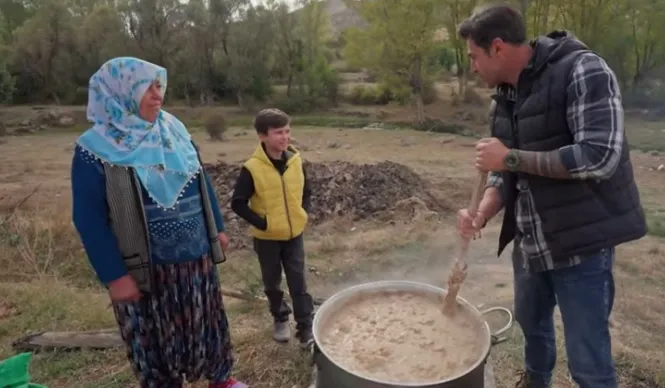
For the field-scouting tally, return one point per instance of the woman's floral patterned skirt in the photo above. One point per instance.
(180, 332)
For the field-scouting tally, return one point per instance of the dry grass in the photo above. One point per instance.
(46, 283)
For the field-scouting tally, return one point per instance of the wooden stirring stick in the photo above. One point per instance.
(458, 273)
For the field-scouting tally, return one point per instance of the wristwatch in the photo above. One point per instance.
(512, 160)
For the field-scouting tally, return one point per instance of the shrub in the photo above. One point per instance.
(216, 126)
(429, 92)
(366, 95)
(296, 104)
(385, 93)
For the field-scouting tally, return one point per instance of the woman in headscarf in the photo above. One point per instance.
(152, 228)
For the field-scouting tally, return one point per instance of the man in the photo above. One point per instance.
(272, 193)
(560, 166)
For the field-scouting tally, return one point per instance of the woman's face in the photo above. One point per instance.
(151, 103)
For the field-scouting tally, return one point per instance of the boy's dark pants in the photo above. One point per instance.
(290, 255)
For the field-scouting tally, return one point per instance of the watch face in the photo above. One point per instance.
(512, 161)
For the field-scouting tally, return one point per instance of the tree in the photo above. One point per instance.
(155, 26)
(303, 53)
(397, 43)
(288, 56)
(249, 55)
(232, 50)
(454, 12)
(100, 37)
(43, 46)
(209, 37)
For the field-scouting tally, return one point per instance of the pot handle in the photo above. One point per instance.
(496, 339)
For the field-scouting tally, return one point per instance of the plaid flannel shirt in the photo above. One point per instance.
(596, 120)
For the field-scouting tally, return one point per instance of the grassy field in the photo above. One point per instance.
(46, 283)
(646, 135)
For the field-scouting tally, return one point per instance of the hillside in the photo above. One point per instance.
(342, 17)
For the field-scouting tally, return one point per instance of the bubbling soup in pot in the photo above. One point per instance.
(401, 337)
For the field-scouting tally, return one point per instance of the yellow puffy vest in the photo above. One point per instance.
(277, 197)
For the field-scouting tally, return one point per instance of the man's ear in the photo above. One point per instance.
(496, 46)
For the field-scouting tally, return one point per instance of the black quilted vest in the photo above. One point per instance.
(578, 216)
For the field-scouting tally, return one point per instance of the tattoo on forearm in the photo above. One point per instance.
(545, 164)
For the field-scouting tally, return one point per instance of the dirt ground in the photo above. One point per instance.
(46, 284)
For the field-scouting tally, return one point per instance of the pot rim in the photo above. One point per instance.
(407, 285)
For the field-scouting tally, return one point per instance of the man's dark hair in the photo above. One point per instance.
(270, 118)
(491, 22)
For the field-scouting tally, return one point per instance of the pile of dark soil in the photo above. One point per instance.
(339, 189)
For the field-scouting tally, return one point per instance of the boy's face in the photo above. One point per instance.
(277, 139)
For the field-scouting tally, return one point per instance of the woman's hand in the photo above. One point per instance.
(223, 240)
(124, 289)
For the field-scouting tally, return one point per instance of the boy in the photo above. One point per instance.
(272, 194)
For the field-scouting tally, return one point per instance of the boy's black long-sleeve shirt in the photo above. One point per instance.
(244, 189)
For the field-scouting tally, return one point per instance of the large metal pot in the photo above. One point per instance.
(329, 374)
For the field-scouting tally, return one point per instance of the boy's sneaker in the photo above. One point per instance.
(282, 332)
(305, 338)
